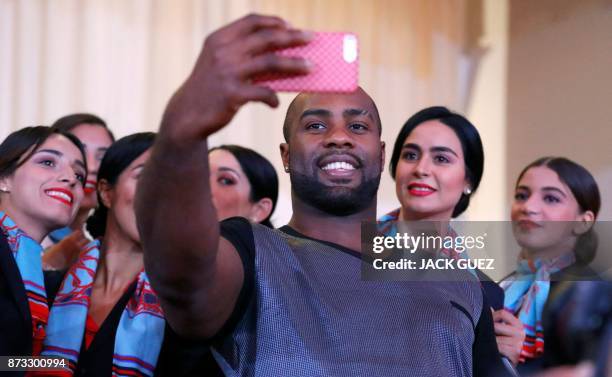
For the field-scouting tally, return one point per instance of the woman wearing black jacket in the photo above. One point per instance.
(42, 173)
(437, 163)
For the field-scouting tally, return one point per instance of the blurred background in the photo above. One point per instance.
(533, 76)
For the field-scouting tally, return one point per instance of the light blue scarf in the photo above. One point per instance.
(526, 294)
(141, 328)
(27, 254)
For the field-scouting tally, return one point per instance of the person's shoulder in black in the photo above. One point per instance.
(494, 293)
(15, 322)
(181, 357)
(486, 359)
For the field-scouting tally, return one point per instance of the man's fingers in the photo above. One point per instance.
(271, 63)
(272, 39)
(256, 93)
(247, 25)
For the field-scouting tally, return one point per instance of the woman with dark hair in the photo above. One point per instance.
(243, 183)
(42, 172)
(556, 202)
(95, 136)
(107, 319)
(443, 147)
(437, 164)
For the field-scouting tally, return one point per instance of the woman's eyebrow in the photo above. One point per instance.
(443, 149)
(225, 168)
(411, 146)
(52, 151)
(555, 189)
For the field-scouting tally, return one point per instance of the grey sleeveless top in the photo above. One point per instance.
(308, 313)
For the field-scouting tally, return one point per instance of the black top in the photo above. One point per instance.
(494, 293)
(485, 355)
(16, 320)
(178, 357)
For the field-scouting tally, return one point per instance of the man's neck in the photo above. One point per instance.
(341, 230)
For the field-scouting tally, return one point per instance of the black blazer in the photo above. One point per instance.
(16, 322)
(178, 357)
(495, 294)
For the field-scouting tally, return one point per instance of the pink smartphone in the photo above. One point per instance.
(336, 65)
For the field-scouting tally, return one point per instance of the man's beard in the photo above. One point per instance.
(334, 200)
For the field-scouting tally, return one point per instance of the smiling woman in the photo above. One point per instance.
(96, 137)
(437, 164)
(64, 244)
(106, 319)
(42, 172)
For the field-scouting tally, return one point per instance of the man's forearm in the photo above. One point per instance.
(188, 265)
(177, 221)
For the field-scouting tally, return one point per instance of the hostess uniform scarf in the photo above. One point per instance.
(27, 254)
(526, 294)
(140, 331)
(59, 234)
(387, 225)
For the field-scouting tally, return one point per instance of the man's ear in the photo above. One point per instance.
(584, 223)
(284, 151)
(106, 192)
(261, 210)
(382, 156)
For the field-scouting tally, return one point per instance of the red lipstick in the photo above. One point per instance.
(420, 189)
(61, 195)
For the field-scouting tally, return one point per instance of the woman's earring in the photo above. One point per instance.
(467, 191)
(287, 168)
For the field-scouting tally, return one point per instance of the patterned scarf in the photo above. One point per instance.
(526, 293)
(387, 225)
(140, 331)
(59, 234)
(27, 254)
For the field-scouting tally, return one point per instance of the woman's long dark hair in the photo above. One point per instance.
(584, 188)
(260, 173)
(116, 159)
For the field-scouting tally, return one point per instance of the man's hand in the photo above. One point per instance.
(220, 82)
(197, 274)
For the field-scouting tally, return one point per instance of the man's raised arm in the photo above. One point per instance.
(197, 274)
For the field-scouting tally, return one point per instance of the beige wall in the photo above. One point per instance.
(487, 110)
(532, 75)
(560, 87)
(122, 59)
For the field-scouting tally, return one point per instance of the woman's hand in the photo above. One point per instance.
(509, 334)
(64, 253)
